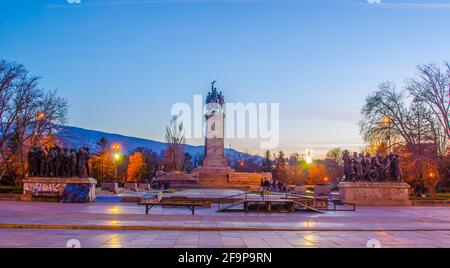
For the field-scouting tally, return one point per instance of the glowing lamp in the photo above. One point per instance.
(40, 116)
(116, 147)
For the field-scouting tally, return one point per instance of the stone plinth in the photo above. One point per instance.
(133, 186)
(70, 190)
(110, 186)
(375, 193)
(300, 189)
(322, 190)
(144, 186)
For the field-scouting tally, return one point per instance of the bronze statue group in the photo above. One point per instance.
(214, 96)
(360, 167)
(57, 162)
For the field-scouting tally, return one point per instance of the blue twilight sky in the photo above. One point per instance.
(122, 64)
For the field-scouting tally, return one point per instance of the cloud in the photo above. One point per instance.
(341, 114)
(412, 5)
(141, 2)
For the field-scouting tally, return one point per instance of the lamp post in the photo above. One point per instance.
(308, 156)
(116, 157)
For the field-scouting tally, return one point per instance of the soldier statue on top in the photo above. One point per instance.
(215, 97)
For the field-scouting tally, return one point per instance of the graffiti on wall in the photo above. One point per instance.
(38, 189)
(76, 193)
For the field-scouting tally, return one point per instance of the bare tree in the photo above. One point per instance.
(174, 152)
(27, 113)
(432, 86)
(385, 116)
(415, 119)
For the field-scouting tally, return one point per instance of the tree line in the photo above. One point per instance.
(413, 120)
(29, 117)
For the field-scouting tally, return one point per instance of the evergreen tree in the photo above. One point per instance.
(267, 162)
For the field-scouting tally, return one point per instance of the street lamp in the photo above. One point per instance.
(116, 157)
(308, 156)
(116, 147)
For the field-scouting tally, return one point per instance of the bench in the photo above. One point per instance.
(179, 199)
(190, 205)
(46, 194)
(338, 202)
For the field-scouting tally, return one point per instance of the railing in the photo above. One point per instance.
(338, 202)
(265, 196)
(219, 201)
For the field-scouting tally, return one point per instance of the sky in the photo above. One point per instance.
(123, 64)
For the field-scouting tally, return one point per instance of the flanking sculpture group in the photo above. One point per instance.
(360, 167)
(57, 162)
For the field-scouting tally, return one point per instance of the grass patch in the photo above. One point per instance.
(11, 190)
(439, 196)
(170, 191)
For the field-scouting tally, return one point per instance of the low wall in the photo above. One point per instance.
(110, 186)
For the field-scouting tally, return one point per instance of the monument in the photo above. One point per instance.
(373, 181)
(59, 173)
(215, 171)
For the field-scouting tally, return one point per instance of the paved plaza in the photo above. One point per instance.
(221, 239)
(131, 216)
(42, 224)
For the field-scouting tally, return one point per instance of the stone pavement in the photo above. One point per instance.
(129, 216)
(55, 238)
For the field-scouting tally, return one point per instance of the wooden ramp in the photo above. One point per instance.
(249, 203)
(308, 207)
(229, 206)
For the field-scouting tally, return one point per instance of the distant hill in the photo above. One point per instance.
(74, 137)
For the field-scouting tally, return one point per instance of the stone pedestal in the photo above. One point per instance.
(110, 186)
(70, 190)
(322, 190)
(375, 193)
(133, 186)
(144, 186)
(300, 189)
